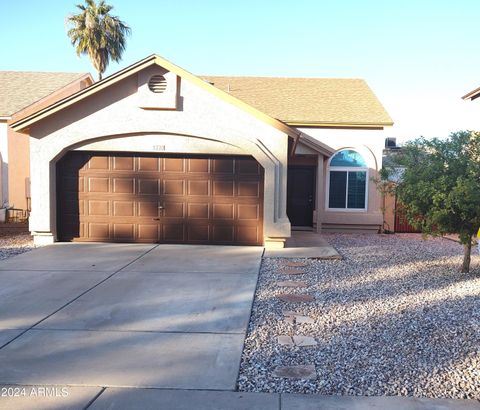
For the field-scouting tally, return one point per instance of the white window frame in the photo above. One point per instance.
(346, 169)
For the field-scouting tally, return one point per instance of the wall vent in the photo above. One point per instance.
(157, 84)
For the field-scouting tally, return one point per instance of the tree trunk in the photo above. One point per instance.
(467, 249)
(99, 76)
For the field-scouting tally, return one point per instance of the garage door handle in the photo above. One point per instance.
(156, 219)
(160, 207)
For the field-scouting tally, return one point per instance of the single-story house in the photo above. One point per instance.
(23, 92)
(154, 153)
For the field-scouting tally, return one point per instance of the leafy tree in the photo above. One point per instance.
(98, 34)
(440, 186)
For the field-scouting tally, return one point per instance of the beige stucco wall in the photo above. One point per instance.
(3, 162)
(18, 168)
(370, 144)
(113, 120)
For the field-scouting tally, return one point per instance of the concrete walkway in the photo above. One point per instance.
(97, 398)
(305, 244)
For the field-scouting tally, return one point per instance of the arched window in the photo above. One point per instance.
(347, 178)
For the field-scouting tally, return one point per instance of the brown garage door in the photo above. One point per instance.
(115, 197)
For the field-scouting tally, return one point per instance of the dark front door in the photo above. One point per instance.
(300, 195)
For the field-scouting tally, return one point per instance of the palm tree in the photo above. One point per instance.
(98, 34)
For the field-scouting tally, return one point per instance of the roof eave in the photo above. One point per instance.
(315, 124)
(316, 145)
(472, 95)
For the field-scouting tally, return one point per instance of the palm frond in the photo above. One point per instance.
(96, 33)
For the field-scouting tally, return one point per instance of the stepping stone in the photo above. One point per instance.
(291, 313)
(292, 284)
(304, 341)
(291, 271)
(285, 341)
(295, 264)
(304, 320)
(297, 317)
(295, 298)
(304, 372)
(290, 319)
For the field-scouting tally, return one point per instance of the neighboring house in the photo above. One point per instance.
(22, 93)
(156, 154)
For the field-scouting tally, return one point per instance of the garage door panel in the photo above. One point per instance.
(123, 208)
(148, 187)
(224, 166)
(98, 184)
(148, 233)
(98, 208)
(223, 188)
(98, 231)
(148, 164)
(173, 232)
(148, 209)
(224, 233)
(197, 211)
(223, 211)
(172, 210)
(247, 234)
(173, 165)
(200, 165)
(124, 231)
(99, 163)
(123, 164)
(123, 185)
(198, 188)
(198, 233)
(149, 198)
(248, 167)
(247, 211)
(249, 189)
(173, 187)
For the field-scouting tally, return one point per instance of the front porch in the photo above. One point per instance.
(304, 244)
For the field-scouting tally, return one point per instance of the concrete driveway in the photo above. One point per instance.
(163, 316)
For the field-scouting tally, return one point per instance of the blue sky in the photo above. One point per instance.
(419, 56)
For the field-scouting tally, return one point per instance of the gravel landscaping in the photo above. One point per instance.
(394, 317)
(12, 244)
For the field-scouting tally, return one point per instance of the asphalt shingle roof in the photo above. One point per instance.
(19, 89)
(307, 100)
